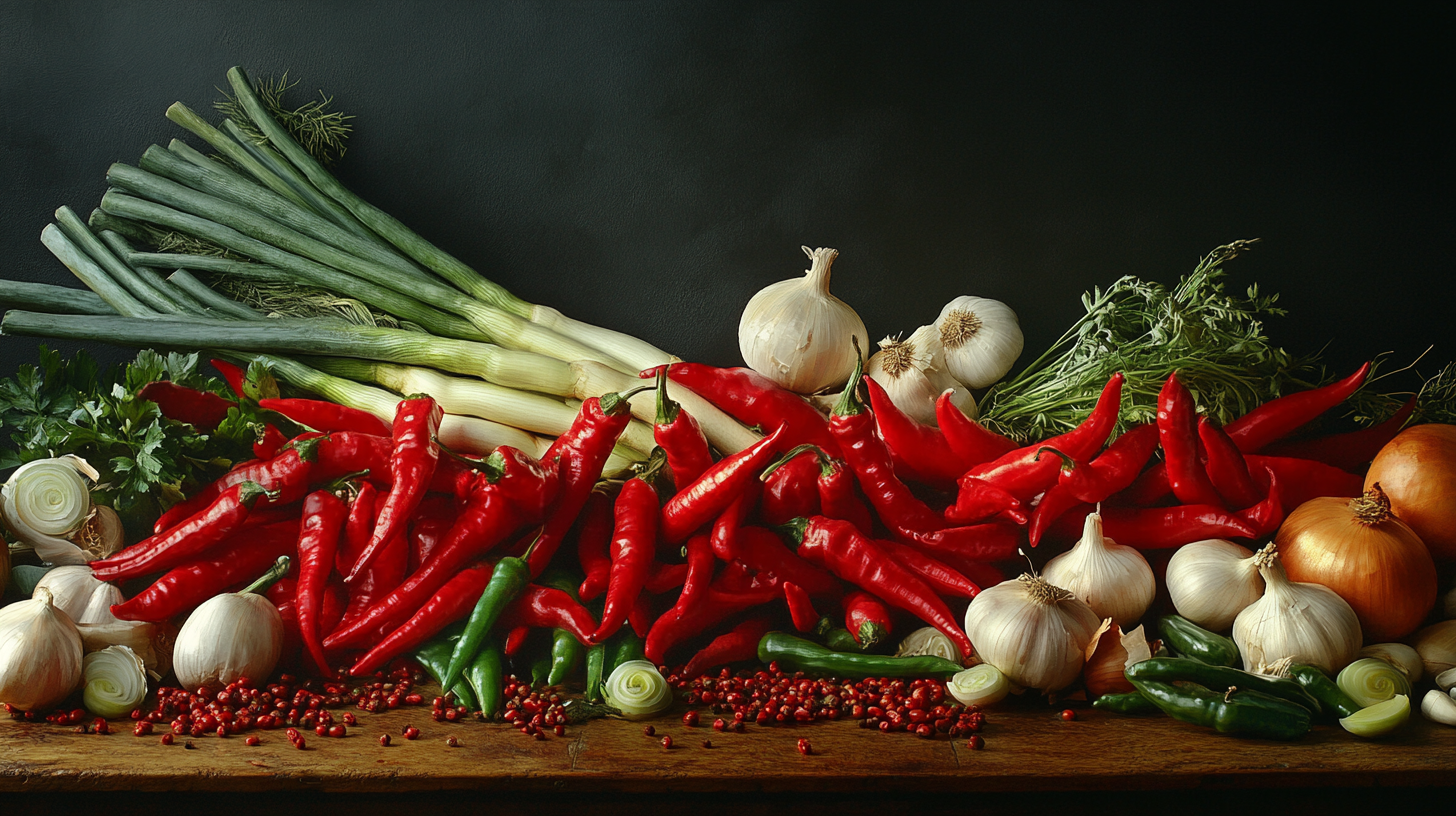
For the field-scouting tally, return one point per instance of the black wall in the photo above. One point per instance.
(649, 165)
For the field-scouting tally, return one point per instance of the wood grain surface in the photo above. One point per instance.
(1026, 750)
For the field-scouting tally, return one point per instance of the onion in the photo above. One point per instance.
(1367, 556)
(1417, 470)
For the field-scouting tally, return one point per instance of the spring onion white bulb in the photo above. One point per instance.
(115, 682)
(40, 654)
(912, 372)
(981, 337)
(1114, 580)
(44, 502)
(981, 685)
(637, 689)
(798, 335)
(1034, 632)
(1210, 582)
(1307, 622)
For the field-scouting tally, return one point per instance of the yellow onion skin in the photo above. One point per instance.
(1381, 569)
(1417, 470)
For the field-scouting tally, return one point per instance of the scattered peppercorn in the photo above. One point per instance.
(975, 743)
(707, 743)
(384, 740)
(666, 741)
(1068, 715)
(805, 748)
(649, 731)
(167, 738)
(252, 741)
(452, 741)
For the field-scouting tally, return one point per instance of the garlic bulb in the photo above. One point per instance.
(1307, 622)
(232, 635)
(1399, 655)
(1436, 644)
(912, 372)
(40, 654)
(45, 501)
(637, 689)
(80, 594)
(1114, 580)
(1034, 632)
(798, 335)
(1211, 581)
(981, 337)
(115, 682)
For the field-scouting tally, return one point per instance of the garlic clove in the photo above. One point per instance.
(982, 339)
(72, 588)
(1438, 707)
(799, 335)
(1211, 581)
(1399, 655)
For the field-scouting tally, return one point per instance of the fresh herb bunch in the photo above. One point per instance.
(146, 461)
(1213, 339)
(319, 130)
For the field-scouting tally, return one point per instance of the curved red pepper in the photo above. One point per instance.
(754, 400)
(593, 538)
(1281, 417)
(700, 502)
(1304, 479)
(1056, 501)
(427, 531)
(715, 606)
(324, 514)
(198, 536)
(700, 563)
(411, 465)
(791, 486)
(941, 577)
(725, 534)
(801, 608)
(665, 577)
(1113, 470)
(287, 476)
(382, 578)
(838, 497)
(1227, 470)
(233, 375)
(867, 618)
(1348, 451)
(922, 449)
(1267, 515)
(680, 437)
(184, 587)
(972, 443)
(737, 645)
(763, 552)
(453, 602)
(527, 481)
(634, 544)
(543, 607)
(1182, 451)
(202, 410)
(269, 442)
(327, 417)
(978, 500)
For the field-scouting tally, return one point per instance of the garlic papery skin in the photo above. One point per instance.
(798, 335)
(1399, 655)
(981, 338)
(1114, 580)
(1034, 632)
(232, 635)
(45, 501)
(1211, 581)
(80, 594)
(152, 642)
(40, 654)
(115, 682)
(912, 373)
(637, 689)
(1306, 622)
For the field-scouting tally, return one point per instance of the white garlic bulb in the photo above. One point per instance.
(47, 500)
(981, 337)
(1034, 632)
(1306, 622)
(798, 335)
(1211, 581)
(1114, 580)
(232, 635)
(912, 372)
(80, 594)
(40, 654)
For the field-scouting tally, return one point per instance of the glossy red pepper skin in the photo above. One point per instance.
(724, 537)
(634, 545)
(453, 602)
(288, 475)
(427, 531)
(642, 615)
(1182, 450)
(1056, 501)
(1278, 418)
(202, 410)
(182, 588)
(412, 463)
(1266, 515)
(1226, 468)
(764, 552)
(233, 375)
(1303, 479)
(1156, 528)
(680, 437)
(971, 442)
(942, 577)
(197, 537)
(541, 607)
(381, 578)
(700, 564)
(737, 645)
(331, 611)
(978, 500)
(1022, 474)
(801, 607)
(269, 442)
(754, 400)
(839, 498)
(838, 547)
(923, 449)
(665, 577)
(327, 417)
(791, 489)
(1348, 451)
(867, 618)
(700, 502)
(717, 605)
(533, 485)
(324, 514)
(870, 462)
(1115, 469)
(593, 542)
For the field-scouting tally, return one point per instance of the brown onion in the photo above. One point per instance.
(1365, 554)
(1417, 470)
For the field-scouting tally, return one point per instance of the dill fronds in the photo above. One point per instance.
(320, 131)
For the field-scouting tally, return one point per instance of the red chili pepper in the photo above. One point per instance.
(801, 608)
(269, 442)
(642, 615)
(347, 452)
(528, 482)
(979, 573)
(327, 417)
(737, 645)
(1113, 470)
(184, 587)
(700, 502)
(196, 537)
(634, 544)
(754, 400)
(542, 607)
(1303, 479)
(331, 611)
(1054, 502)
(700, 563)
(1348, 451)
(838, 496)
(791, 488)
(1227, 470)
(971, 442)
(725, 535)
(1023, 475)
(411, 465)
(324, 514)
(941, 577)
(1281, 417)
(427, 531)
(715, 606)
(454, 601)
(978, 500)
(923, 451)
(1156, 528)
(764, 552)
(593, 539)
(381, 578)
(680, 436)
(287, 475)
(1182, 451)
(838, 546)
(202, 410)
(233, 375)
(1268, 514)
(665, 577)
(867, 618)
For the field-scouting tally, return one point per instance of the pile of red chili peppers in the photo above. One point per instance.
(865, 517)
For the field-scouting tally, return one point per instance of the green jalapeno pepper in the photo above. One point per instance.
(798, 654)
(1189, 639)
(1173, 669)
(507, 579)
(486, 677)
(566, 652)
(1314, 680)
(596, 664)
(1235, 711)
(1132, 702)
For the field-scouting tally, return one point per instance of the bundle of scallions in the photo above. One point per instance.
(271, 215)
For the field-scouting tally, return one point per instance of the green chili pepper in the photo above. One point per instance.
(435, 657)
(1322, 688)
(1189, 639)
(566, 652)
(1174, 669)
(627, 647)
(596, 664)
(508, 578)
(795, 654)
(1235, 711)
(1130, 703)
(540, 668)
(486, 677)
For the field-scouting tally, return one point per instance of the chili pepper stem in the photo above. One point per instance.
(269, 578)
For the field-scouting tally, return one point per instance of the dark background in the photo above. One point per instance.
(648, 166)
